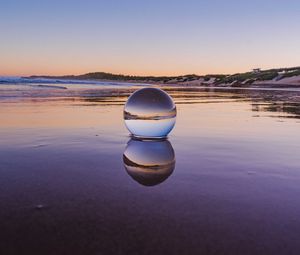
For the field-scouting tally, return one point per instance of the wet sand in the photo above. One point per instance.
(228, 180)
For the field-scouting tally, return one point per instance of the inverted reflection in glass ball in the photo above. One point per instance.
(149, 162)
(150, 113)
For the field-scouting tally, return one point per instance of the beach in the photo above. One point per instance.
(227, 179)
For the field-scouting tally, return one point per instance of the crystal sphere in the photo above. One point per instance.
(150, 113)
(149, 162)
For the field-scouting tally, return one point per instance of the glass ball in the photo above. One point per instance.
(149, 162)
(150, 113)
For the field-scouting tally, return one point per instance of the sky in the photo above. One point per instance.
(157, 37)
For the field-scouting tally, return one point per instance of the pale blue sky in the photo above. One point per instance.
(163, 37)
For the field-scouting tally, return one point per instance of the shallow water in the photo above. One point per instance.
(229, 180)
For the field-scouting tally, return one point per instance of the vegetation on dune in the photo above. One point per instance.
(121, 77)
(249, 77)
(261, 75)
(292, 73)
(238, 79)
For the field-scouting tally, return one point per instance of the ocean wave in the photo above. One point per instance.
(49, 86)
(22, 81)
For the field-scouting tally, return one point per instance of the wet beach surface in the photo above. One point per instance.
(227, 180)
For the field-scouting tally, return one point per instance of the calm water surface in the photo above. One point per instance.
(72, 181)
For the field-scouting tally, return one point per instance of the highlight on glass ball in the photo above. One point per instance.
(149, 162)
(150, 113)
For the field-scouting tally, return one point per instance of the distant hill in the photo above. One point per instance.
(118, 77)
(257, 76)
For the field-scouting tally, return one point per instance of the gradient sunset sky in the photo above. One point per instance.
(157, 37)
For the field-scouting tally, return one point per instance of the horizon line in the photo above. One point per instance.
(144, 75)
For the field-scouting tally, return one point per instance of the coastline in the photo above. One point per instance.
(187, 80)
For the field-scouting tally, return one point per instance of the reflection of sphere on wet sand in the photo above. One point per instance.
(149, 162)
(150, 113)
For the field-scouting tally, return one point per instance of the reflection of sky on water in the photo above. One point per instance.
(283, 109)
(236, 179)
(285, 101)
(149, 162)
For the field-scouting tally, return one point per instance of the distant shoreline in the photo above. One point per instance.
(282, 77)
(263, 84)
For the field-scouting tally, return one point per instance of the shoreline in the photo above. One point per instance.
(290, 82)
(280, 77)
(42, 81)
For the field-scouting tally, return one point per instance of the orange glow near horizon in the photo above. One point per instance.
(76, 70)
(159, 64)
